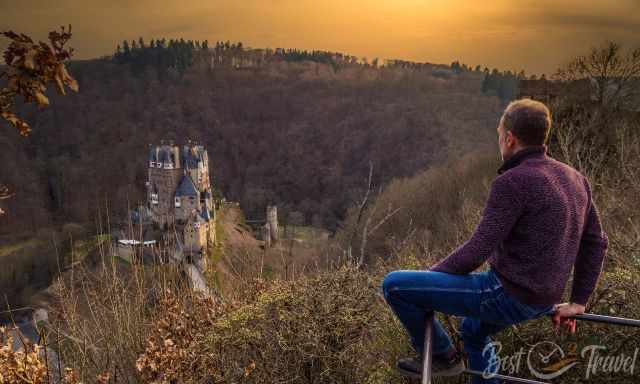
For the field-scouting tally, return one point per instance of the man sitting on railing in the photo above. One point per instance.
(539, 223)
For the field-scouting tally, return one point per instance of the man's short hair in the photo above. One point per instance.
(528, 120)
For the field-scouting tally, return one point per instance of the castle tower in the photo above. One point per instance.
(164, 176)
(272, 221)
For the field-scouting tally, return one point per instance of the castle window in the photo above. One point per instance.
(177, 202)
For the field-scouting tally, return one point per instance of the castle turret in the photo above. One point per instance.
(153, 156)
(175, 152)
(272, 222)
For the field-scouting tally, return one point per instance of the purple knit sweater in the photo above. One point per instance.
(539, 223)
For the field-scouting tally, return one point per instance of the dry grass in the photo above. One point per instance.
(99, 321)
(332, 328)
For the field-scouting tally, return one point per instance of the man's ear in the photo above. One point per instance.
(511, 139)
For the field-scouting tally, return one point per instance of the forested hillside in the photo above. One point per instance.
(292, 127)
(303, 130)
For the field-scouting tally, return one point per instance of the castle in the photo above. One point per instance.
(179, 194)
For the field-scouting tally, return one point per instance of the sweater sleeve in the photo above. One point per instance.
(503, 208)
(593, 246)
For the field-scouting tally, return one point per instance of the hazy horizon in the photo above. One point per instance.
(532, 35)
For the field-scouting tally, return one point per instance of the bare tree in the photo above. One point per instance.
(367, 228)
(613, 71)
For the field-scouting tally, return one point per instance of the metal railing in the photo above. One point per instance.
(428, 339)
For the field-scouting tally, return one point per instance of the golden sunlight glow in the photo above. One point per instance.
(534, 35)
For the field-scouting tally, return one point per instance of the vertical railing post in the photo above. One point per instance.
(427, 355)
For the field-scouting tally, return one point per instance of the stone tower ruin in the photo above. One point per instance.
(272, 222)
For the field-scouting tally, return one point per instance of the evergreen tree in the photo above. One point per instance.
(508, 87)
(455, 66)
(118, 54)
(485, 83)
(126, 51)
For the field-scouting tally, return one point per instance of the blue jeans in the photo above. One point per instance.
(479, 297)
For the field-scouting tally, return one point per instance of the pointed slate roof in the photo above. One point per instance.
(186, 187)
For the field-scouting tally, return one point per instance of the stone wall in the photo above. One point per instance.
(166, 181)
(195, 239)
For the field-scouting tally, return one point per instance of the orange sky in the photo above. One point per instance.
(536, 35)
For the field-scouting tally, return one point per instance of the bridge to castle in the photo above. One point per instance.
(126, 249)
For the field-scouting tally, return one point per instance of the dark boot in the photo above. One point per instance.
(440, 366)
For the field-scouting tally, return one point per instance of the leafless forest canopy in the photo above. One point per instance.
(298, 133)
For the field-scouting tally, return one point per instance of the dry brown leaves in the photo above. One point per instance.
(30, 68)
(28, 365)
(170, 354)
(23, 366)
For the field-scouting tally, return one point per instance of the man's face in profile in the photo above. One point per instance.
(502, 138)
